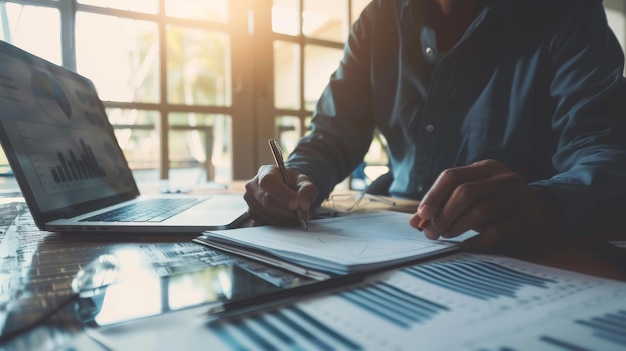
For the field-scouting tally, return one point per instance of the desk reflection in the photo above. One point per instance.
(159, 278)
(158, 273)
(37, 269)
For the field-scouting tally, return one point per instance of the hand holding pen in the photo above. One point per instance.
(278, 157)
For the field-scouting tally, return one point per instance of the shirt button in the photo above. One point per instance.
(420, 188)
(429, 50)
(430, 128)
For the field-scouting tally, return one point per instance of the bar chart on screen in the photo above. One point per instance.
(59, 167)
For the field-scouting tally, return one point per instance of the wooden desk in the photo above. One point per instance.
(50, 261)
(25, 249)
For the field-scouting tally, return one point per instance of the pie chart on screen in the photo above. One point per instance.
(51, 96)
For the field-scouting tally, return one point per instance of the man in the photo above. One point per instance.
(502, 116)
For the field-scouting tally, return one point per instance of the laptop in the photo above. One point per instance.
(69, 166)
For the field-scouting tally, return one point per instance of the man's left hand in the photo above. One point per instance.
(492, 200)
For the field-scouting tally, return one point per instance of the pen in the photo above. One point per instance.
(238, 308)
(421, 225)
(278, 157)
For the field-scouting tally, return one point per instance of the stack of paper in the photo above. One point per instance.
(358, 242)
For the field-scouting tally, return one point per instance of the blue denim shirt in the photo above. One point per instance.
(533, 84)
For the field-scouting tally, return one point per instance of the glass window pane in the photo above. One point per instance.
(213, 10)
(285, 17)
(198, 67)
(357, 8)
(145, 6)
(120, 55)
(373, 166)
(325, 19)
(5, 169)
(32, 28)
(200, 148)
(137, 135)
(617, 22)
(4, 164)
(377, 153)
(286, 75)
(288, 131)
(319, 64)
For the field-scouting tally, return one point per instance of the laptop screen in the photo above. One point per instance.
(57, 137)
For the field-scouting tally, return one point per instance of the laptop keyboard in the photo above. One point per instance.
(151, 210)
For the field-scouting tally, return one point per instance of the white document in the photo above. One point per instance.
(473, 302)
(357, 242)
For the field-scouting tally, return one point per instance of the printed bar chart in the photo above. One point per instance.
(482, 280)
(393, 304)
(485, 303)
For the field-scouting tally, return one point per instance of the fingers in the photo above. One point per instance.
(268, 211)
(473, 205)
(306, 193)
(454, 180)
(271, 201)
(480, 215)
(270, 181)
(485, 196)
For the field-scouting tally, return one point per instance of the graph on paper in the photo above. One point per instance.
(465, 302)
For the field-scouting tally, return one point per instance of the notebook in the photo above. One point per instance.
(359, 242)
(69, 165)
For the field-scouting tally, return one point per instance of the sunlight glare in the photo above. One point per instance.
(284, 20)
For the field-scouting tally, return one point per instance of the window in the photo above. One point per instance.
(33, 28)
(163, 68)
(166, 78)
(616, 16)
(195, 88)
(307, 45)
